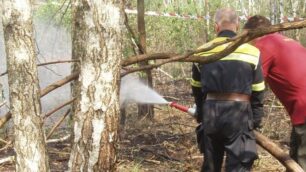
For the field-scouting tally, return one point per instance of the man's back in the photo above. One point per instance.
(284, 66)
(233, 73)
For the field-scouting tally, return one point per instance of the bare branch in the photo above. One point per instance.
(43, 92)
(58, 108)
(3, 103)
(59, 61)
(59, 83)
(48, 63)
(58, 123)
(146, 57)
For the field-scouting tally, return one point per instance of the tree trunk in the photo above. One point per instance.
(281, 10)
(274, 11)
(144, 109)
(97, 38)
(23, 87)
(295, 7)
(207, 21)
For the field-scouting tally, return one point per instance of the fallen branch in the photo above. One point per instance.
(154, 152)
(277, 152)
(235, 42)
(58, 108)
(43, 92)
(57, 124)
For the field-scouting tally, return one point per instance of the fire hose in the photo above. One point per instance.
(261, 140)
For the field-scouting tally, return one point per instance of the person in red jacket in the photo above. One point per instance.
(284, 69)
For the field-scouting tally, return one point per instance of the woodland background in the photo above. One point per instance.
(165, 142)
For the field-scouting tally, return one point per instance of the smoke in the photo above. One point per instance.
(53, 43)
(133, 90)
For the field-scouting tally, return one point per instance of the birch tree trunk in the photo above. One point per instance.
(207, 20)
(244, 11)
(23, 86)
(294, 4)
(97, 38)
(274, 11)
(282, 11)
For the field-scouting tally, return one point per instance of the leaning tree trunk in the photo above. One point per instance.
(144, 109)
(23, 86)
(97, 40)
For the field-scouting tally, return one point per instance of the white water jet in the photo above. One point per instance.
(133, 90)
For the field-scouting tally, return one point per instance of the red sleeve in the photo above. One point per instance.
(266, 61)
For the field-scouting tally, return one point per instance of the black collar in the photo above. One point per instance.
(226, 33)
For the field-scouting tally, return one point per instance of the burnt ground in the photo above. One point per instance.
(167, 143)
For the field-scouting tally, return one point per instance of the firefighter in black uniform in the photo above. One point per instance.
(228, 94)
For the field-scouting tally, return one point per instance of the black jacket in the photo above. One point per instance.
(239, 72)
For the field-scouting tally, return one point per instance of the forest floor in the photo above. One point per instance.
(167, 143)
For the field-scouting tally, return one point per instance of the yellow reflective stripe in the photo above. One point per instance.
(243, 57)
(247, 49)
(195, 83)
(258, 87)
(242, 49)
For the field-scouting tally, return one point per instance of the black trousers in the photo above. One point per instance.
(298, 145)
(227, 129)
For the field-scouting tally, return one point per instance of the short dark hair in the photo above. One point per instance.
(257, 21)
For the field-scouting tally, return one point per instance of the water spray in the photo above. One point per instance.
(190, 111)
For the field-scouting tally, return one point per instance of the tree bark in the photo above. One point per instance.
(97, 40)
(24, 89)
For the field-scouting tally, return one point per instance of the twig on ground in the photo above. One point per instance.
(152, 161)
(160, 155)
(176, 123)
(9, 159)
(173, 98)
(59, 140)
(165, 73)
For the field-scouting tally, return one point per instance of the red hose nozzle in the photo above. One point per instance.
(191, 111)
